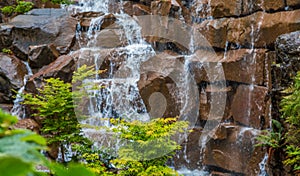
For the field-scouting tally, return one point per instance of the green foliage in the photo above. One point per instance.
(6, 51)
(272, 138)
(18, 148)
(23, 7)
(20, 153)
(148, 146)
(293, 154)
(71, 170)
(96, 160)
(7, 10)
(291, 113)
(9, 163)
(20, 8)
(55, 105)
(6, 120)
(288, 139)
(290, 108)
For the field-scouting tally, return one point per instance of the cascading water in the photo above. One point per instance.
(18, 109)
(117, 94)
(262, 166)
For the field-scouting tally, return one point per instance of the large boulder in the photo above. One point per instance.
(12, 72)
(42, 26)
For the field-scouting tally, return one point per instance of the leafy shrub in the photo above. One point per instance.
(19, 8)
(7, 10)
(6, 51)
(273, 138)
(148, 146)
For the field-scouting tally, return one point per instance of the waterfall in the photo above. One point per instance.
(18, 109)
(262, 166)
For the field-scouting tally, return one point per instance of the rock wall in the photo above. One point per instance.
(243, 33)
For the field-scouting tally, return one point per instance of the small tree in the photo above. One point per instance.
(55, 104)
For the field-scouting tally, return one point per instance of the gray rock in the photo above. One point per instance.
(40, 27)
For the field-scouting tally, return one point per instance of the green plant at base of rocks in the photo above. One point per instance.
(148, 146)
(273, 138)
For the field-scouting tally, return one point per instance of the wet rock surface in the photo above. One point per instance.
(12, 72)
(257, 60)
(258, 30)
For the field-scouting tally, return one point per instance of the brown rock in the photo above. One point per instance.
(42, 55)
(266, 32)
(223, 94)
(241, 65)
(108, 38)
(115, 6)
(62, 68)
(249, 106)
(231, 149)
(215, 31)
(107, 59)
(13, 69)
(160, 8)
(29, 124)
(251, 6)
(139, 9)
(233, 8)
(237, 153)
(293, 3)
(191, 151)
(259, 29)
(85, 18)
(157, 87)
(215, 173)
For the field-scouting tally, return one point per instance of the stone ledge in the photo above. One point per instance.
(258, 30)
